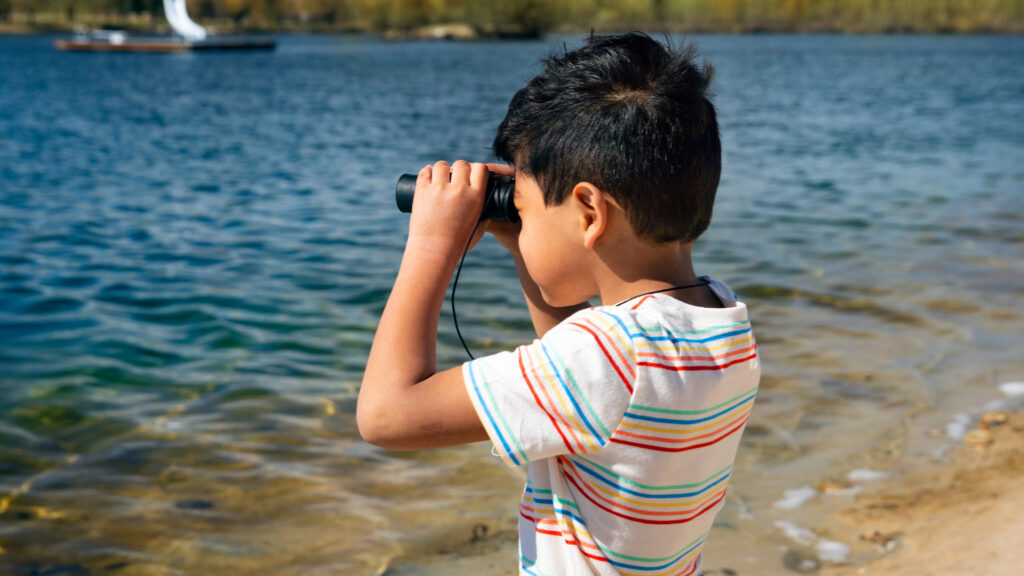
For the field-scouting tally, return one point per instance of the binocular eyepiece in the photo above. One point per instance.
(498, 204)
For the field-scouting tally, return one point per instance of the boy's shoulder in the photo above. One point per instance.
(641, 315)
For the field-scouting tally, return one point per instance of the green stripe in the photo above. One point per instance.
(566, 503)
(531, 564)
(609, 552)
(501, 417)
(576, 388)
(624, 480)
(740, 396)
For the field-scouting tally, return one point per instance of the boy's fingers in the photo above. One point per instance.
(460, 171)
(424, 175)
(441, 173)
(477, 176)
(503, 169)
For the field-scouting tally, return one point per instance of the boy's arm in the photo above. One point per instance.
(544, 316)
(404, 403)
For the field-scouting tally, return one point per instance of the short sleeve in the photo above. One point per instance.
(563, 394)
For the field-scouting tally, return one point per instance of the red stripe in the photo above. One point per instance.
(689, 569)
(597, 332)
(684, 448)
(607, 355)
(689, 368)
(681, 511)
(579, 547)
(704, 357)
(586, 495)
(734, 419)
(642, 300)
(536, 399)
(618, 351)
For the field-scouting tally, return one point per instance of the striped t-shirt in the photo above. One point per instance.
(628, 418)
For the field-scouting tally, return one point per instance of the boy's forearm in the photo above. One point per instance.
(404, 347)
(543, 315)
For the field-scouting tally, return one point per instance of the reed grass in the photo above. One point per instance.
(539, 16)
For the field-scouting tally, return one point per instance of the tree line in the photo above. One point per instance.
(531, 17)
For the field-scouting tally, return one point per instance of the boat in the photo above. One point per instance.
(188, 37)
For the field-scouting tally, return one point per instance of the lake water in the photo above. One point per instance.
(194, 250)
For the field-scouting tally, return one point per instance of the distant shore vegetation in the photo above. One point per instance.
(525, 18)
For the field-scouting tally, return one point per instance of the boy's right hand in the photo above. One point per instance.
(446, 207)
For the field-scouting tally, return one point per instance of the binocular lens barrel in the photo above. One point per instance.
(498, 204)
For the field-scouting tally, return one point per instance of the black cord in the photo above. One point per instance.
(458, 271)
(702, 282)
(455, 284)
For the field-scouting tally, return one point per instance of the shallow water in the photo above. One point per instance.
(194, 250)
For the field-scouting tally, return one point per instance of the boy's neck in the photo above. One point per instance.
(632, 270)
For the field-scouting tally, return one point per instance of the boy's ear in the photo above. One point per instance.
(594, 206)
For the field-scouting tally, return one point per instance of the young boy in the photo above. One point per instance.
(626, 414)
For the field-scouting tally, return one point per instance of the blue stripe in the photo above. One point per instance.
(572, 398)
(679, 557)
(692, 421)
(487, 411)
(621, 488)
(622, 564)
(673, 339)
(569, 513)
(538, 500)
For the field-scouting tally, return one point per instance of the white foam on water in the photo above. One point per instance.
(832, 551)
(865, 475)
(828, 550)
(1012, 388)
(958, 427)
(796, 533)
(795, 498)
(996, 405)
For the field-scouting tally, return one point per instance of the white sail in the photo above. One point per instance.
(177, 16)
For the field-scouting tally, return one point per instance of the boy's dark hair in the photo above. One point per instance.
(630, 116)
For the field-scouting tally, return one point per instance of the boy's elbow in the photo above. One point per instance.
(369, 423)
(374, 423)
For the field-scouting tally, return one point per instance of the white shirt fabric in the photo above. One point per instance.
(627, 418)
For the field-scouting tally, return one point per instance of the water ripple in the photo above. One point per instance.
(195, 250)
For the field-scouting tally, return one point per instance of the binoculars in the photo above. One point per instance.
(498, 204)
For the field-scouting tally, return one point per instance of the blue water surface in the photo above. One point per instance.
(194, 250)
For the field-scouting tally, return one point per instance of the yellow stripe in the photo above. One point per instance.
(694, 502)
(581, 530)
(568, 412)
(543, 511)
(670, 348)
(613, 329)
(675, 570)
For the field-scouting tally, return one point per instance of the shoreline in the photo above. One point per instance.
(461, 31)
(958, 517)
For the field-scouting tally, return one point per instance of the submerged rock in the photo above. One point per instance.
(979, 439)
(990, 419)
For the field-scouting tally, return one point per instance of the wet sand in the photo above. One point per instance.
(963, 518)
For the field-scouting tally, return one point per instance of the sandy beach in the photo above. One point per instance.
(195, 252)
(962, 518)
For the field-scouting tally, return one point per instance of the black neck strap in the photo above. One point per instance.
(702, 282)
